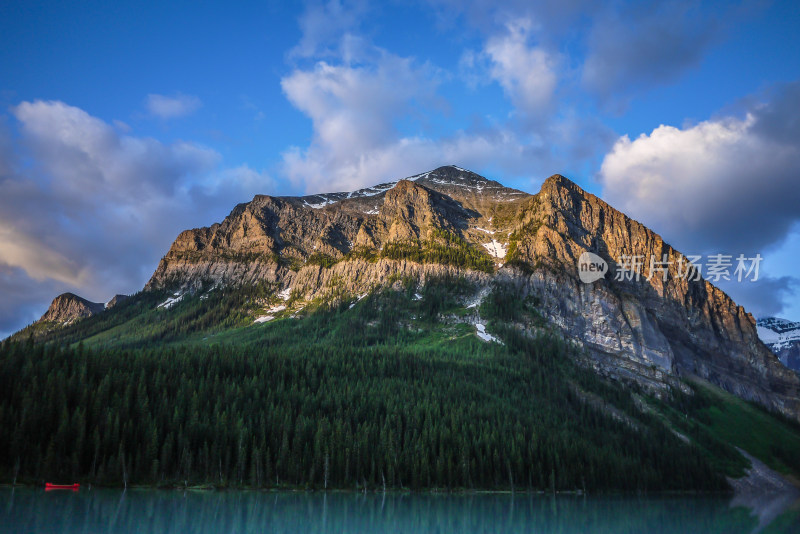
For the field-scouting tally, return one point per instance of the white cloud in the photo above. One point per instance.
(85, 208)
(369, 108)
(526, 73)
(87, 157)
(354, 110)
(729, 184)
(38, 260)
(171, 107)
(406, 156)
(612, 50)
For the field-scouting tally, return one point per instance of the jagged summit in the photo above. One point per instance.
(446, 179)
(69, 307)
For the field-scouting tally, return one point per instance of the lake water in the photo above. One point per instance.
(166, 511)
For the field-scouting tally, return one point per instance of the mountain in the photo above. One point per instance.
(65, 310)
(68, 307)
(649, 332)
(783, 338)
(435, 331)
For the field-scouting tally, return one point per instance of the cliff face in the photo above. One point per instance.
(649, 331)
(68, 307)
(269, 238)
(116, 299)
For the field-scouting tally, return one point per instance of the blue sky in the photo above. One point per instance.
(123, 123)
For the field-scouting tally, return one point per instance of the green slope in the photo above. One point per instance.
(713, 414)
(393, 389)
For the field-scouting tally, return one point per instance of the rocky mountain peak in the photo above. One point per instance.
(69, 307)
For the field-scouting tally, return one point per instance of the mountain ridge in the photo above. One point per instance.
(452, 222)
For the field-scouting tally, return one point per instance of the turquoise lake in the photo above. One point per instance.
(31, 510)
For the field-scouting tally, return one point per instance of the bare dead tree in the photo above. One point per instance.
(326, 470)
(124, 470)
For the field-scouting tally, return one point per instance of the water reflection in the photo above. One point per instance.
(146, 511)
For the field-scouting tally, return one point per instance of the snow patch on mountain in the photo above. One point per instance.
(777, 333)
(496, 248)
(270, 314)
(319, 205)
(284, 294)
(171, 301)
(484, 335)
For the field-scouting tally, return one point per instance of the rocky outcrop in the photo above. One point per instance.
(651, 330)
(116, 299)
(69, 307)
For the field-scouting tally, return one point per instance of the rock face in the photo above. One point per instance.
(783, 338)
(69, 307)
(650, 330)
(116, 299)
(646, 330)
(269, 237)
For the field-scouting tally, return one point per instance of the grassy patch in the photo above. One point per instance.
(444, 247)
(326, 261)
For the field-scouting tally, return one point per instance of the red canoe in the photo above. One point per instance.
(50, 486)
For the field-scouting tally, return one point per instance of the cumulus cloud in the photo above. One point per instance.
(617, 49)
(85, 208)
(369, 110)
(727, 184)
(171, 107)
(526, 72)
(354, 109)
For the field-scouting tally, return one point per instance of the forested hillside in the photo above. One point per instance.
(371, 393)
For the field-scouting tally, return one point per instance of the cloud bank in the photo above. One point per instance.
(86, 209)
(726, 184)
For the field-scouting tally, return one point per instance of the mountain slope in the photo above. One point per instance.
(383, 393)
(649, 330)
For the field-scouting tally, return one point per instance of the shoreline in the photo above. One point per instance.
(388, 491)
